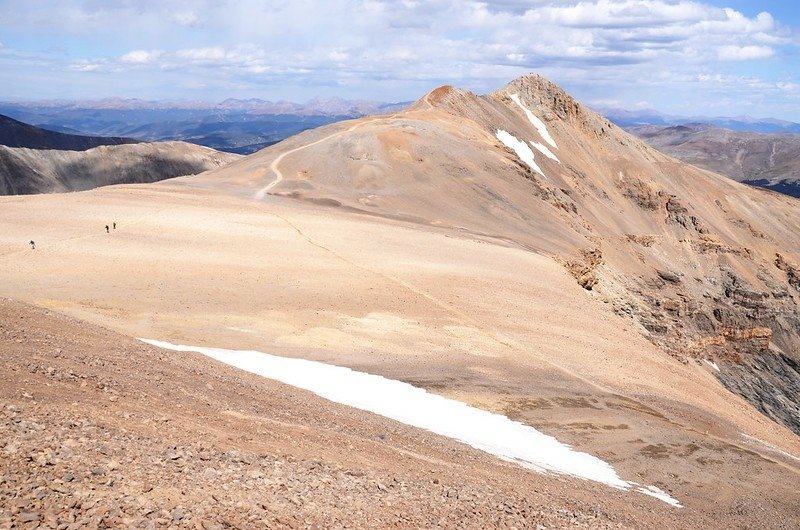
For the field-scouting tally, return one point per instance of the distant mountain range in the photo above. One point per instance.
(35, 160)
(769, 161)
(233, 125)
(728, 145)
(14, 133)
(633, 118)
(315, 107)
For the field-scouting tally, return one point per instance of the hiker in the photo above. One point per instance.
(33, 245)
(115, 226)
(107, 232)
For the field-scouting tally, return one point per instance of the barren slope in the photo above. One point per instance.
(770, 161)
(26, 171)
(101, 430)
(704, 267)
(416, 246)
(496, 326)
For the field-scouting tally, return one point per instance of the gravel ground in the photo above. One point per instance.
(100, 431)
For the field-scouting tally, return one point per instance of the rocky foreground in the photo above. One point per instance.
(101, 431)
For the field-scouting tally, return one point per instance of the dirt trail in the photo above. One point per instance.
(273, 167)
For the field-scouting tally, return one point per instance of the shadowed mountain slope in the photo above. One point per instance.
(15, 133)
(27, 171)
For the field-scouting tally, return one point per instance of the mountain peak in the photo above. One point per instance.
(542, 93)
(552, 102)
(445, 97)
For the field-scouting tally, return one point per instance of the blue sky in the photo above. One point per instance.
(711, 57)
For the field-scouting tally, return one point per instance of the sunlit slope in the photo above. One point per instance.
(566, 297)
(702, 266)
(224, 271)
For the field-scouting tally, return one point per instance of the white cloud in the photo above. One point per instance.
(203, 55)
(338, 55)
(386, 49)
(141, 57)
(186, 18)
(744, 53)
(634, 13)
(87, 66)
(421, 39)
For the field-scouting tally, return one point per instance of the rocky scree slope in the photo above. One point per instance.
(706, 268)
(103, 431)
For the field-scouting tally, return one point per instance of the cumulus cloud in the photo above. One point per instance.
(592, 46)
(386, 37)
(141, 57)
(213, 55)
(744, 53)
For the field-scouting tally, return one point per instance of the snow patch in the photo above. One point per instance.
(712, 364)
(545, 151)
(769, 446)
(521, 148)
(539, 124)
(659, 494)
(488, 432)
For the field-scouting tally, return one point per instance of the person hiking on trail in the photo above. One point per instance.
(115, 226)
(33, 245)
(107, 229)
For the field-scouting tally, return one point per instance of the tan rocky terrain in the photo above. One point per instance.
(100, 430)
(703, 267)
(770, 161)
(591, 293)
(25, 171)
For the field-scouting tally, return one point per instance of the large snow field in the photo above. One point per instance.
(492, 433)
